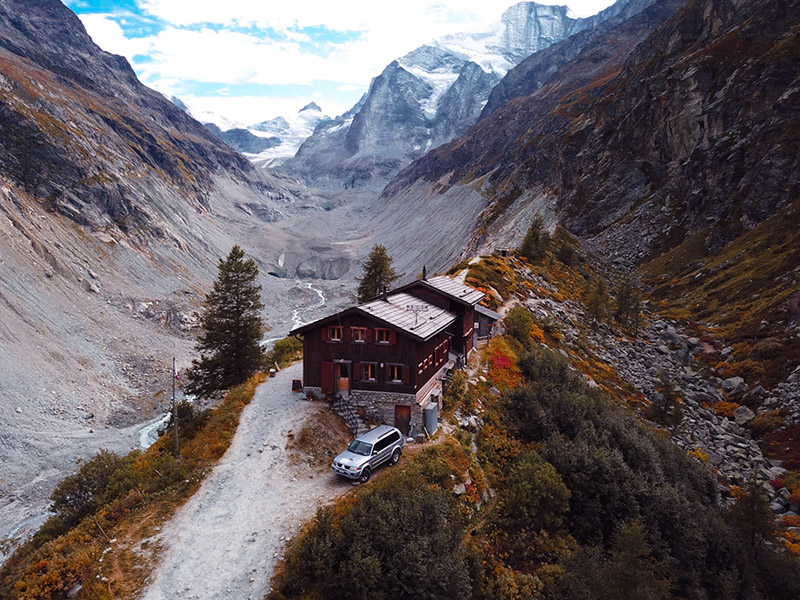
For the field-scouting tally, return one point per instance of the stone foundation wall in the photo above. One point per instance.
(379, 406)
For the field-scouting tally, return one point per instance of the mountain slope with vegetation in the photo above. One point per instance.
(648, 135)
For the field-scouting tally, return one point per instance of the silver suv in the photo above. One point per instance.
(377, 446)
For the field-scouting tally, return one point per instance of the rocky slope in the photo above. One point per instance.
(429, 96)
(115, 206)
(661, 127)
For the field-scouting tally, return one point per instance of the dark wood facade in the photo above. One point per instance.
(351, 351)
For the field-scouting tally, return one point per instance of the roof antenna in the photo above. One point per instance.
(424, 273)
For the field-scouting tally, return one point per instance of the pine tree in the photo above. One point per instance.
(753, 515)
(536, 241)
(377, 275)
(229, 343)
(666, 407)
(597, 302)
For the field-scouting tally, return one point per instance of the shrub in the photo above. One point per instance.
(519, 324)
(79, 494)
(726, 409)
(284, 352)
(785, 446)
(401, 539)
(767, 348)
(566, 254)
(535, 498)
(765, 423)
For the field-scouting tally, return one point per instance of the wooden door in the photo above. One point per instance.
(327, 377)
(402, 418)
(343, 377)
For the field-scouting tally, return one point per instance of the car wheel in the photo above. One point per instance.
(365, 475)
(395, 456)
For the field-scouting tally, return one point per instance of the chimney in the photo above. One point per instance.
(384, 295)
(424, 273)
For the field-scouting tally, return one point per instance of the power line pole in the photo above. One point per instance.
(174, 408)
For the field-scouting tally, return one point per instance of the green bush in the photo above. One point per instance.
(535, 498)
(566, 254)
(767, 348)
(618, 471)
(518, 323)
(80, 494)
(402, 539)
(284, 352)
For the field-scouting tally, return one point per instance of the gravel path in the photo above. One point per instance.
(225, 541)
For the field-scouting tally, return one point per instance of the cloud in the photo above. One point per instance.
(302, 42)
(108, 34)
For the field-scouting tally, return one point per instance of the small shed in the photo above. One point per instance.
(485, 320)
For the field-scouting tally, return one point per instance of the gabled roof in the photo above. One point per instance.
(409, 314)
(450, 288)
(422, 321)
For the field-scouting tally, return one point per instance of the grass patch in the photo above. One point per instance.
(750, 289)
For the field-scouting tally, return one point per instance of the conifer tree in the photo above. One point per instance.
(597, 302)
(229, 343)
(377, 274)
(537, 239)
(753, 515)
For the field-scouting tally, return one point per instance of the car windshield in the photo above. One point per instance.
(359, 447)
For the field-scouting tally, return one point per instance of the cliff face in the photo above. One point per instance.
(115, 206)
(85, 137)
(676, 120)
(431, 95)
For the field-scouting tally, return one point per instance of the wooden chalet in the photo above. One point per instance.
(388, 356)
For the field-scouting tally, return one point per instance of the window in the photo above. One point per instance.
(381, 444)
(368, 371)
(359, 334)
(382, 336)
(335, 334)
(395, 373)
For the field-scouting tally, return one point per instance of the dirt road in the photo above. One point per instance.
(225, 541)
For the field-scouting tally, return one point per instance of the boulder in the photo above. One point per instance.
(743, 415)
(734, 385)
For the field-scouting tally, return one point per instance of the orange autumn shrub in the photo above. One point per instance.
(726, 409)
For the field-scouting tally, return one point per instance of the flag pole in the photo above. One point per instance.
(174, 408)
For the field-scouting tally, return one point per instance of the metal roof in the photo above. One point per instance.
(409, 314)
(487, 312)
(455, 289)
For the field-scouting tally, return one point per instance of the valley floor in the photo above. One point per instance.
(225, 542)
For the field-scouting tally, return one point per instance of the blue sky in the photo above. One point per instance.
(251, 60)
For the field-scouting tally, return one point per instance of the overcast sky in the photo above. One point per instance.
(251, 60)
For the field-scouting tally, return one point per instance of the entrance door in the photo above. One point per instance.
(343, 377)
(402, 418)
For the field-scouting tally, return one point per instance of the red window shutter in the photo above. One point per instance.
(393, 337)
(324, 334)
(356, 371)
(327, 377)
(406, 375)
(347, 334)
(369, 336)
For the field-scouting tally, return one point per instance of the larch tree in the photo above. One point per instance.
(378, 274)
(231, 327)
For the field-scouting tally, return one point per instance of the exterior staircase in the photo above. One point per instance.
(340, 402)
